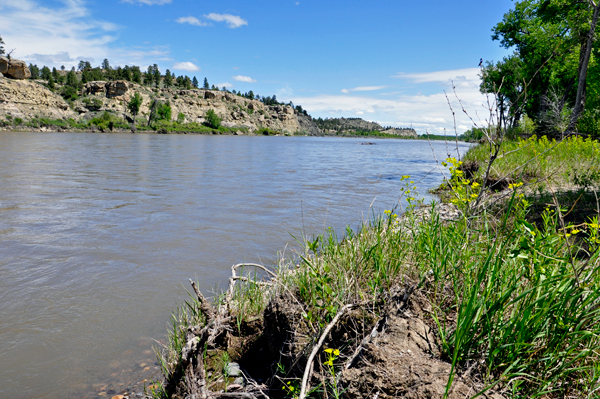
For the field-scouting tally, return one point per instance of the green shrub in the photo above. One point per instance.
(212, 119)
(69, 93)
(108, 122)
(163, 111)
(589, 123)
(18, 121)
(180, 118)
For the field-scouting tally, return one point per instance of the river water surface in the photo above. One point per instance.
(99, 234)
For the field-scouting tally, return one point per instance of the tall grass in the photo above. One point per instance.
(516, 302)
(572, 161)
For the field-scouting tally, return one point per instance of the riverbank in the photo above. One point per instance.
(456, 306)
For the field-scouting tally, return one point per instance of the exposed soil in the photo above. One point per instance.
(393, 355)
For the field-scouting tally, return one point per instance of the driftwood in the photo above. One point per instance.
(197, 338)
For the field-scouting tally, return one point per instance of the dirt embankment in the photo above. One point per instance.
(387, 349)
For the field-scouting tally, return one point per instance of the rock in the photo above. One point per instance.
(116, 88)
(118, 397)
(17, 69)
(81, 110)
(213, 95)
(4, 65)
(232, 370)
(27, 99)
(96, 87)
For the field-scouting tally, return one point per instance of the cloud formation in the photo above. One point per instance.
(192, 21)
(225, 84)
(246, 79)
(186, 66)
(363, 88)
(233, 21)
(148, 2)
(468, 77)
(41, 34)
(423, 112)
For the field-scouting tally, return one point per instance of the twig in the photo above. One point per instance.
(207, 309)
(317, 347)
(364, 342)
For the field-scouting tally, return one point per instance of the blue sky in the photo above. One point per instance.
(385, 61)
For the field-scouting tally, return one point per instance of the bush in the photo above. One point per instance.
(69, 93)
(212, 119)
(108, 122)
(180, 118)
(589, 123)
(93, 103)
(163, 111)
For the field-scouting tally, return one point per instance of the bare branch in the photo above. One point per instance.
(317, 347)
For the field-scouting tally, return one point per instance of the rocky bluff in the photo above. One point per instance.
(15, 69)
(350, 125)
(28, 99)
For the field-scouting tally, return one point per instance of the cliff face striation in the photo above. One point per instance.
(28, 99)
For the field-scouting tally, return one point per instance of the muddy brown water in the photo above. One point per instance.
(99, 234)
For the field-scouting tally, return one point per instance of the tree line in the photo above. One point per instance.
(74, 80)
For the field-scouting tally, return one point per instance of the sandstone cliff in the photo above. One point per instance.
(27, 99)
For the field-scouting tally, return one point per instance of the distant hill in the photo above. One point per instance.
(354, 125)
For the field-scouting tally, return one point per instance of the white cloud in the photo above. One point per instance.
(225, 84)
(424, 112)
(66, 34)
(363, 88)
(192, 21)
(233, 21)
(241, 78)
(368, 88)
(42, 34)
(148, 2)
(186, 66)
(465, 78)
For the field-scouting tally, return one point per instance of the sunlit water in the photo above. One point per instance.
(99, 234)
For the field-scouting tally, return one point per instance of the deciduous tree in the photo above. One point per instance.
(134, 104)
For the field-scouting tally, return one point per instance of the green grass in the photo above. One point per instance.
(573, 161)
(515, 295)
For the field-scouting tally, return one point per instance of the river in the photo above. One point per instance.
(99, 234)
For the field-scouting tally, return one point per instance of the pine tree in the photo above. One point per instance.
(168, 79)
(195, 82)
(46, 73)
(35, 71)
(156, 73)
(105, 64)
(2, 52)
(51, 84)
(206, 86)
(136, 74)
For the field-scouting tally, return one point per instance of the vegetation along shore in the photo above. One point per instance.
(494, 292)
